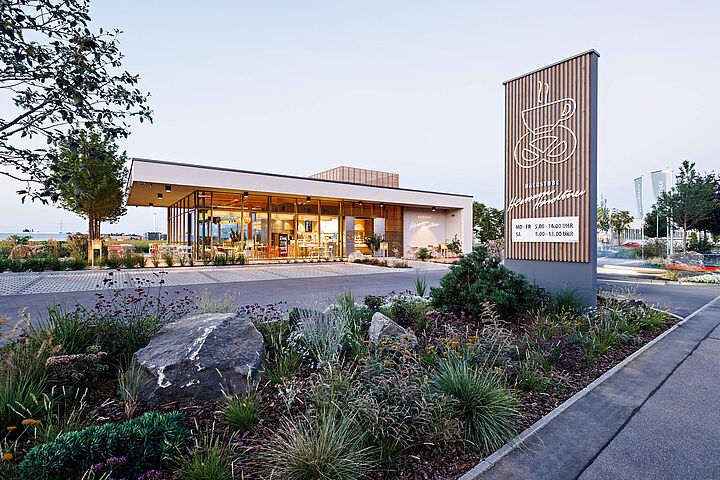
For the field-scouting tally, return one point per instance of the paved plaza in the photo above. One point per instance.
(28, 283)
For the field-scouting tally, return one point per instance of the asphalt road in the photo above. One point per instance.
(292, 291)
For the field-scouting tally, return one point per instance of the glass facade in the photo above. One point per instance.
(268, 227)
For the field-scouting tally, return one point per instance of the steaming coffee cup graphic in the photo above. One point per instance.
(546, 140)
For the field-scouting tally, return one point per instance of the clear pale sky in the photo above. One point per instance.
(411, 87)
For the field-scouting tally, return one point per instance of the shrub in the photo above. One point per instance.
(155, 260)
(326, 446)
(210, 459)
(323, 335)
(476, 279)
(147, 442)
(219, 260)
(567, 299)
(486, 408)
(423, 253)
(394, 404)
(241, 259)
(168, 258)
(241, 411)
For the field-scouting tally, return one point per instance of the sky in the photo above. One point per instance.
(410, 87)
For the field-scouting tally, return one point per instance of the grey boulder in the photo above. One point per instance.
(382, 327)
(692, 259)
(192, 360)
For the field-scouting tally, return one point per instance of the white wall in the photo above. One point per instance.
(422, 227)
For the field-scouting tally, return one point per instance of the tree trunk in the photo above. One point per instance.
(685, 236)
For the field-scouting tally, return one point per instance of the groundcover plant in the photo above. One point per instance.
(448, 386)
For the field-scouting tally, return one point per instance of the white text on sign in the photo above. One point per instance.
(547, 229)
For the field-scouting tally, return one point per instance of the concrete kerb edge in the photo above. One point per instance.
(489, 462)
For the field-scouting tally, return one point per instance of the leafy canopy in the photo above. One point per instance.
(91, 176)
(692, 201)
(488, 222)
(59, 75)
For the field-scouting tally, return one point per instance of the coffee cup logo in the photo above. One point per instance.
(546, 140)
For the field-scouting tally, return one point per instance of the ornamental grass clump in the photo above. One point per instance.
(241, 411)
(211, 458)
(479, 399)
(324, 446)
(147, 442)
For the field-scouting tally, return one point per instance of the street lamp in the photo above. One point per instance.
(668, 180)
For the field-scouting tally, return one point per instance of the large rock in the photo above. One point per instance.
(357, 255)
(383, 327)
(690, 259)
(612, 299)
(193, 359)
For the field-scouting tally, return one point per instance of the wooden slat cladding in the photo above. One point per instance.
(549, 152)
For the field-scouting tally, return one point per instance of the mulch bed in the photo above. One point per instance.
(436, 462)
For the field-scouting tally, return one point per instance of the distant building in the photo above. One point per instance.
(155, 236)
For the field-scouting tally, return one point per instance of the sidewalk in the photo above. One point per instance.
(658, 417)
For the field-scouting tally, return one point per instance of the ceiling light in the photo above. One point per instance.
(245, 194)
(308, 199)
(168, 188)
(361, 203)
(159, 195)
(434, 209)
(150, 204)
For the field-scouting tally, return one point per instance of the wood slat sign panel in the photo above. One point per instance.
(550, 163)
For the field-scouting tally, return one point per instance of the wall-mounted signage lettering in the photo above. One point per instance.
(549, 162)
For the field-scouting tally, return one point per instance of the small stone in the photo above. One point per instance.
(357, 255)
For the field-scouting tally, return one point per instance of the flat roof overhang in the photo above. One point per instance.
(148, 178)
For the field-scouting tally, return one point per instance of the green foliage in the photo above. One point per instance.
(693, 201)
(210, 459)
(394, 404)
(168, 258)
(373, 242)
(111, 262)
(486, 408)
(653, 224)
(423, 254)
(476, 279)
(241, 411)
(20, 397)
(58, 71)
(567, 299)
(488, 222)
(40, 264)
(420, 285)
(455, 246)
(90, 177)
(328, 445)
(603, 216)
(219, 260)
(147, 442)
(619, 221)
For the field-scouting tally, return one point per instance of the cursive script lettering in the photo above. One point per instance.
(548, 197)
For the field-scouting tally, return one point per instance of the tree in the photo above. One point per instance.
(488, 222)
(619, 221)
(94, 177)
(603, 216)
(712, 222)
(691, 201)
(59, 75)
(653, 226)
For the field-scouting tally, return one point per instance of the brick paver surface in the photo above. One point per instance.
(56, 282)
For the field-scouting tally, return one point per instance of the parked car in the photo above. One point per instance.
(630, 244)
